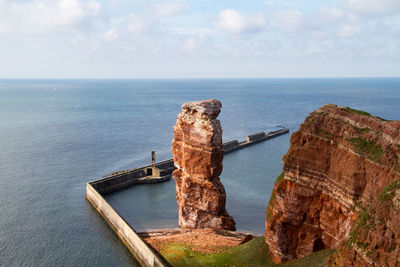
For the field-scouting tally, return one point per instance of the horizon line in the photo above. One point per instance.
(198, 78)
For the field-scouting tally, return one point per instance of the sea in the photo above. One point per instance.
(57, 135)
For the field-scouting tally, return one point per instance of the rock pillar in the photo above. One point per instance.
(197, 153)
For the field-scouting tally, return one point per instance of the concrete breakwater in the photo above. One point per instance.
(156, 173)
(161, 171)
(138, 247)
(251, 140)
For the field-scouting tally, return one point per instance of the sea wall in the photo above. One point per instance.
(143, 175)
(125, 232)
(234, 145)
(160, 172)
(255, 137)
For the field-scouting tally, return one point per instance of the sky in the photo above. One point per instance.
(199, 39)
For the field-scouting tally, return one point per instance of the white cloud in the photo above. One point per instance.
(372, 7)
(195, 42)
(38, 16)
(136, 25)
(348, 31)
(331, 14)
(110, 36)
(233, 21)
(143, 25)
(318, 35)
(168, 9)
(289, 20)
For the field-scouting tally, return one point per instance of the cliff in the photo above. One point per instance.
(340, 188)
(197, 153)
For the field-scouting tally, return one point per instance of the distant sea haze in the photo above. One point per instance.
(56, 135)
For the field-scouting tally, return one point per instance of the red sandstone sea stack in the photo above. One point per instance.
(340, 188)
(197, 152)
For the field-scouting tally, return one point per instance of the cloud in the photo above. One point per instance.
(37, 17)
(347, 31)
(318, 35)
(143, 25)
(233, 21)
(195, 42)
(169, 9)
(110, 36)
(372, 7)
(289, 20)
(330, 14)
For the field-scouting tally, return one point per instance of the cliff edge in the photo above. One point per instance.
(340, 188)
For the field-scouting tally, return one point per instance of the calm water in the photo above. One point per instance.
(56, 135)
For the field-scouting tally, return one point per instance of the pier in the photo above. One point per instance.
(160, 172)
(150, 174)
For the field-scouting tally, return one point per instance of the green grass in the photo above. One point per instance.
(280, 178)
(325, 134)
(359, 112)
(365, 220)
(252, 253)
(364, 130)
(271, 202)
(316, 259)
(362, 245)
(389, 191)
(270, 206)
(372, 150)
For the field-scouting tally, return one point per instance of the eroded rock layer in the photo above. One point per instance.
(197, 153)
(339, 188)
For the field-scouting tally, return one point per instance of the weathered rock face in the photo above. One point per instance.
(339, 188)
(197, 152)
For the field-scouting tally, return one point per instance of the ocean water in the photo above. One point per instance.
(56, 135)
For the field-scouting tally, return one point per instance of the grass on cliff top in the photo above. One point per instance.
(363, 113)
(359, 112)
(252, 253)
(372, 150)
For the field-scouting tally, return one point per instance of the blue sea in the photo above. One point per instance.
(57, 135)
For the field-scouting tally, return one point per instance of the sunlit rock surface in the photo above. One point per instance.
(339, 189)
(197, 153)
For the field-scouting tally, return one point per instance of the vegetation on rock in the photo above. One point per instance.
(359, 112)
(372, 150)
(389, 192)
(252, 253)
(356, 156)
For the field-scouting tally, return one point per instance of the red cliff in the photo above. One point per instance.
(340, 188)
(197, 153)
